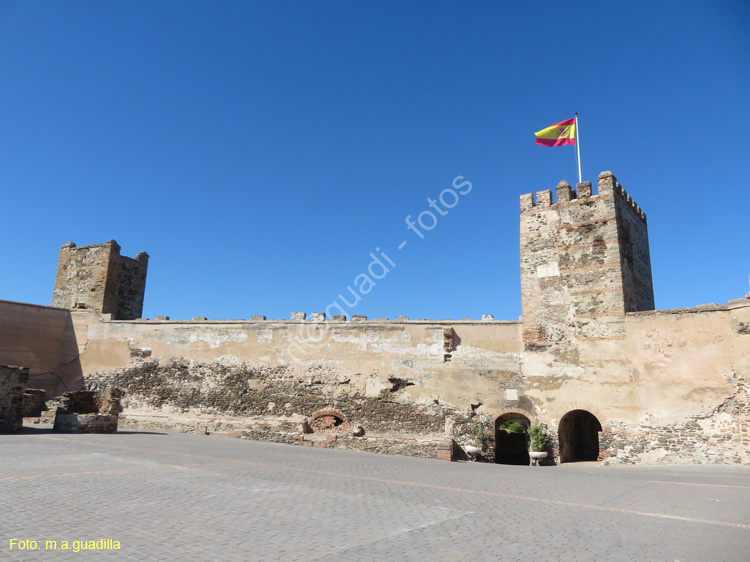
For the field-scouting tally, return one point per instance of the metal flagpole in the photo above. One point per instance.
(578, 146)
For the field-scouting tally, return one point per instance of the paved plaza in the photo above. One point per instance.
(167, 496)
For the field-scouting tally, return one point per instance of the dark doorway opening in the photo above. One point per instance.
(511, 447)
(578, 434)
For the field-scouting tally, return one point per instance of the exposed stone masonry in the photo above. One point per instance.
(255, 401)
(88, 411)
(12, 385)
(260, 391)
(97, 277)
(584, 262)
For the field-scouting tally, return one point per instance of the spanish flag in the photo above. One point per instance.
(558, 134)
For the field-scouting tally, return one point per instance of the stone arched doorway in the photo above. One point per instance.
(511, 447)
(578, 435)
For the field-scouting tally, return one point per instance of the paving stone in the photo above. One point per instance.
(192, 497)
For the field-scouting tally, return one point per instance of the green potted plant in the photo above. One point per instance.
(538, 441)
(478, 440)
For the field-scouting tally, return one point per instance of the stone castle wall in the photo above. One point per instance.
(409, 385)
(610, 378)
(456, 360)
(676, 378)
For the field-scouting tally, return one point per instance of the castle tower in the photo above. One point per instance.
(97, 277)
(584, 263)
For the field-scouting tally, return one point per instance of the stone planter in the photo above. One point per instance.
(472, 450)
(536, 455)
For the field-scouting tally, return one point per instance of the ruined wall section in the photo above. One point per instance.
(451, 361)
(405, 383)
(12, 385)
(672, 390)
(269, 396)
(98, 278)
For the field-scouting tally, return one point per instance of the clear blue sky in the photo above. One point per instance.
(259, 151)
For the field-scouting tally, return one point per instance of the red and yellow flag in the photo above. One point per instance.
(558, 134)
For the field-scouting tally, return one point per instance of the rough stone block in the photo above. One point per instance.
(527, 202)
(564, 193)
(318, 317)
(583, 189)
(85, 423)
(607, 183)
(299, 316)
(544, 198)
(33, 402)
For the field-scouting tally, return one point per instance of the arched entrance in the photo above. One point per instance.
(578, 434)
(511, 445)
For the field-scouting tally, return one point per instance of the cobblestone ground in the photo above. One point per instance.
(193, 497)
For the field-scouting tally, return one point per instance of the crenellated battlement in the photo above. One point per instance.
(606, 183)
(620, 191)
(314, 318)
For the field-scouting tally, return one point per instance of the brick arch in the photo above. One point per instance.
(329, 420)
(528, 415)
(560, 411)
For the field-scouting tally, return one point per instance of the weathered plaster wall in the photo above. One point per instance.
(689, 369)
(42, 339)
(453, 362)
(409, 385)
(665, 393)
